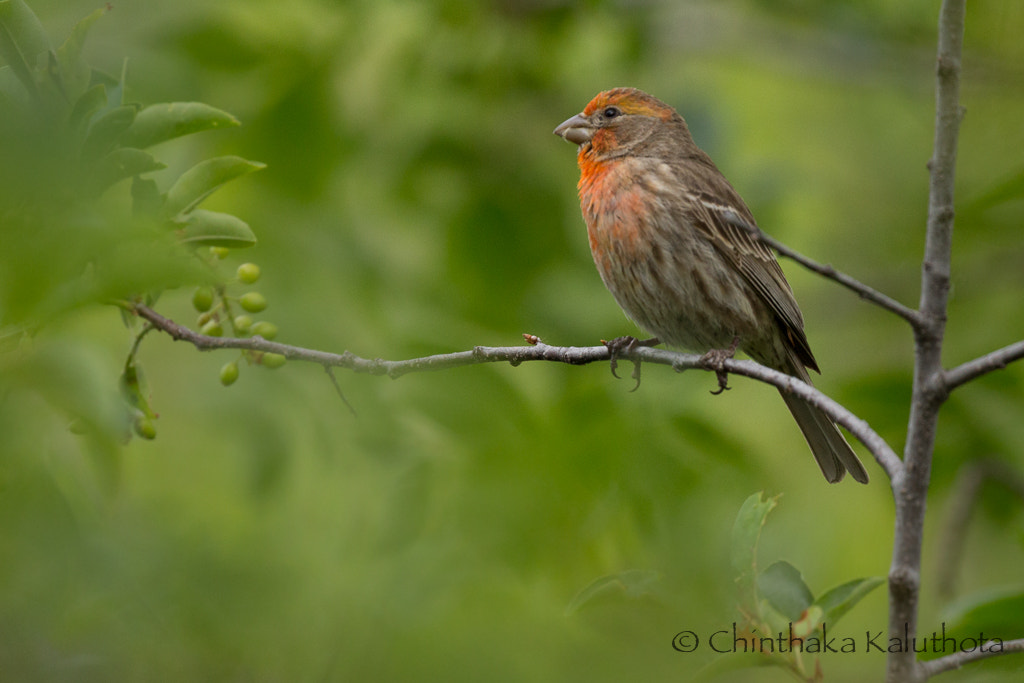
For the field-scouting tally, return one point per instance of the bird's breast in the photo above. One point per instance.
(620, 201)
(665, 273)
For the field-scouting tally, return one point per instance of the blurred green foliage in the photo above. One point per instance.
(414, 201)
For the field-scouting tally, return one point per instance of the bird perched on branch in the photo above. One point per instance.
(678, 249)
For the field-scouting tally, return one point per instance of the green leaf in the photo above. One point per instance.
(841, 599)
(718, 667)
(200, 181)
(120, 164)
(11, 89)
(72, 377)
(22, 40)
(746, 532)
(635, 583)
(160, 122)
(212, 229)
(146, 197)
(784, 588)
(999, 612)
(996, 613)
(104, 131)
(133, 388)
(1006, 191)
(86, 106)
(75, 72)
(134, 392)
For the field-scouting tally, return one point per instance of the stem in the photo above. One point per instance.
(910, 490)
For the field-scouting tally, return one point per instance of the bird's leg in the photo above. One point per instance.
(715, 360)
(619, 345)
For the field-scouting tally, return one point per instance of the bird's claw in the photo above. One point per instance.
(723, 382)
(715, 360)
(618, 346)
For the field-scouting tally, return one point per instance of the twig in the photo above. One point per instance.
(538, 351)
(337, 387)
(996, 360)
(829, 272)
(958, 659)
(378, 366)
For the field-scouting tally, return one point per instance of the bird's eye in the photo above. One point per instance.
(611, 112)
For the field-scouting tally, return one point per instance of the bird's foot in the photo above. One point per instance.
(715, 360)
(618, 346)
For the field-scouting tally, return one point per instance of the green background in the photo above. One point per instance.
(416, 202)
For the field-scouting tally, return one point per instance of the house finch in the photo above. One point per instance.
(672, 241)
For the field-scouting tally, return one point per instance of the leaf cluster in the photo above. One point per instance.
(71, 134)
(72, 137)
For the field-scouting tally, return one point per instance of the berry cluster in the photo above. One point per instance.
(216, 309)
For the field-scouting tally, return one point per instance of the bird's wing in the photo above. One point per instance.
(729, 225)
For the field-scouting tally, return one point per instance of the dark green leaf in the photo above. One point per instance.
(212, 229)
(104, 131)
(146, 198)
(75, 72)
(160, 122)
(22, 40)
(997, 612)
(634, 583)
(86, 106)
(197, 183)
(784, 588)
(841, 599)
(120, 164)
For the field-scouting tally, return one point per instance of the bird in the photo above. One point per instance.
(677, 247)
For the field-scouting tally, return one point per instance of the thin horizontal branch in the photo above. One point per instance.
(996, 360)
(825, 270)
(537, 351)
(956, 660)
(378, 366)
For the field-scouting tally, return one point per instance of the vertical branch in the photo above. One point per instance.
(911, 488)
(966, 493)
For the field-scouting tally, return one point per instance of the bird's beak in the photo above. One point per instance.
(576, 130)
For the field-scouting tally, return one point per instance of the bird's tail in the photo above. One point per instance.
(830, 448)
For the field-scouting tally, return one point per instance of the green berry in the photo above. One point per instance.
(273, 360)
(202, 299)
(229, 373)
(264, 329)
(212, 329)
(220, 252)
(248, 273)
(242, 323)
(144, 427)
(254, 302)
